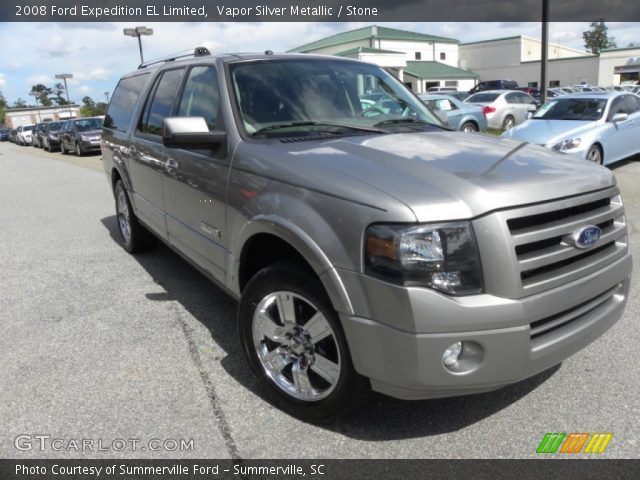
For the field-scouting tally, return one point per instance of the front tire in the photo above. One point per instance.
(469, 127)
(79, 151)
(135, 238)
(595, 155)
(292, 339)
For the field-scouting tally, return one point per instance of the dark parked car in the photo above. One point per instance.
(50, 140)
(5, 134)
(534, 92)
(494, 85)
(81, 135)
(13, 135)
(38, 134)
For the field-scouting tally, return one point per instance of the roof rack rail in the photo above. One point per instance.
(196, 52)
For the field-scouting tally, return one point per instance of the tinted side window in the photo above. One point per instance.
(123, 102)
(512, 98)
(617, 106)
(160, 106)
(201, 97)
(631, 104)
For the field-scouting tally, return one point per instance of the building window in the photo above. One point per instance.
(418, 56)
(554, 83)
(451, 83)
(532, 84)
(443, 56)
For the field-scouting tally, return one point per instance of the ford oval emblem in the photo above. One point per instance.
(584, 237)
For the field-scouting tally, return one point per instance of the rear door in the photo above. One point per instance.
(195, 179)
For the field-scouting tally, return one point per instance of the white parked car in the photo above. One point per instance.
(504, 109)
(600, 127)
(24, 134)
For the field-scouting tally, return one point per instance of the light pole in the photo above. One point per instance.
(36, 95)
(138, 32)
(64, 77)
(106, 94)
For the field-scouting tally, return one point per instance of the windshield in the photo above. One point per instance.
(88, 124)
(588, 109)
(482, 98)
(286, 97)
(54, 126)
(27, 128)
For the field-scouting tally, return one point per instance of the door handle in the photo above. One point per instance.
(131, 151)
(171, 165)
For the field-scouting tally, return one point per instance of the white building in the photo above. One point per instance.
(15, 117)
(518, 58)
(418, 59)
(422, 60)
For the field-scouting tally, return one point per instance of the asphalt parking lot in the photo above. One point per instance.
(97, 344)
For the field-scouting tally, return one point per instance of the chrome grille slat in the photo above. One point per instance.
(575, 270)
(540, 258)
(562, 227)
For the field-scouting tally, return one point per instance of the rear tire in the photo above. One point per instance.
(135, 238)
(293, 340)
(508, 123)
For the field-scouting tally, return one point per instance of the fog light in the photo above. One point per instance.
(452, 354)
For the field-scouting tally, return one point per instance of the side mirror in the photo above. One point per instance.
(190, 132)
(619, 117)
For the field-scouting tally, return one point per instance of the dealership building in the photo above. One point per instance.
(16, 117)
(422, 61)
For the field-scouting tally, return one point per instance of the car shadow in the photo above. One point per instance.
(384, 418)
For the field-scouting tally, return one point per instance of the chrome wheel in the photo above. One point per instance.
(296, 346)
(124, 216)
(594, 155)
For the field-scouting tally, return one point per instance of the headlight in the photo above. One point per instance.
(567, 144)
(439, 256)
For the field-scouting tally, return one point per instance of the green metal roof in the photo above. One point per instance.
(427, 69)
(492, 40)
(366, 50)
(383, 33)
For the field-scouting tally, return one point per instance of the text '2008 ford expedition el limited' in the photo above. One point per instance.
(368, 246)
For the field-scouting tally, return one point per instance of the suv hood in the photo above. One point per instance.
(91, 133)
(544, 132)
(438, 175)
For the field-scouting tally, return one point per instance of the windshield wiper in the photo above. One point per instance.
(315, 124)
(395, 121)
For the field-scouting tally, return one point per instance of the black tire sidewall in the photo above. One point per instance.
(286, 277)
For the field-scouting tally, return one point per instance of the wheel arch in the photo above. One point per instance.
(268, 239)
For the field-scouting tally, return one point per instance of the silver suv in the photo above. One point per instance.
(368, 247)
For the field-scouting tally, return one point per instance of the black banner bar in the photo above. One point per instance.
(317, 469)
(316, 10)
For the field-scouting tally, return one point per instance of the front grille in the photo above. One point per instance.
(526, 250)
(543, 258)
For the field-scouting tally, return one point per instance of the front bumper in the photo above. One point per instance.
(90, 145)
(402, 352)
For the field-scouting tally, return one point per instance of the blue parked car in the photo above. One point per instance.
(458, 115)
(600, 127)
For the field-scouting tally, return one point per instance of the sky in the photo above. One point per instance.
(97, 54)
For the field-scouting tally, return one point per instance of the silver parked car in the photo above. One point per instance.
(368, 249)
(504, 109)
(600, 127)
(459, 115)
